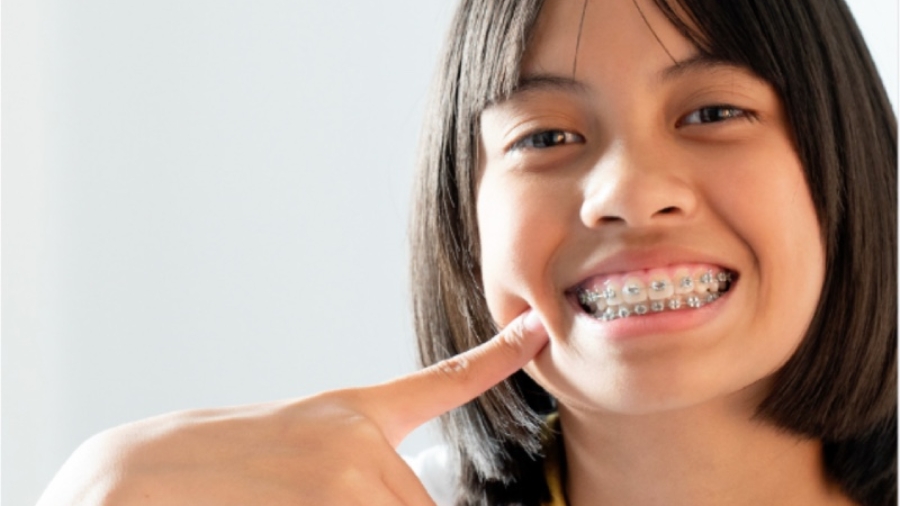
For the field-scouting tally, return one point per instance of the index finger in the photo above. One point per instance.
(401, 405)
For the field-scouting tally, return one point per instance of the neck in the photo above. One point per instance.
(703, 455)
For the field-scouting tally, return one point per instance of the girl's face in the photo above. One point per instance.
(616, 182)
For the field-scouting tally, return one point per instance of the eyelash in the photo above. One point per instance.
(715, 114)
(546, 139)
(703, 116)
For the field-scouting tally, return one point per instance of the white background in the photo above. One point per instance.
(204, 203)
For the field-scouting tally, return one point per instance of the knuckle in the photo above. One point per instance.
(364, 429)
(510, 341)
(323, 408)
(350, 474)
(345, 398)
(455, 368)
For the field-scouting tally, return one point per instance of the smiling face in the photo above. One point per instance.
(640, 170)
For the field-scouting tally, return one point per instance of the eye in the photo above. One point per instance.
(547, 139)
(715, 114)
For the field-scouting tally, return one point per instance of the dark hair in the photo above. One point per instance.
(840, 385)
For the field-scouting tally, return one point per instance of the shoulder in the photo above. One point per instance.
(436, 469)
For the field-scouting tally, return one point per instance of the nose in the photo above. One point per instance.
(637, 187)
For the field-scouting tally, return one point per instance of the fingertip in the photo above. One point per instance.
(527, 332)
(532, 323)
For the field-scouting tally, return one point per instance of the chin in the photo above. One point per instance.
(605, 387)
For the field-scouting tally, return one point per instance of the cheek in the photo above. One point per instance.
(519, 233)
(777, 218)
(773, 214)
(793, 277)
(760, 192)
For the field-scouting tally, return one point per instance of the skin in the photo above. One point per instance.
(333, 448)
(664, 162)
(660, 418)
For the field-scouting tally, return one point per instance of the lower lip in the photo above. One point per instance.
(655, 324)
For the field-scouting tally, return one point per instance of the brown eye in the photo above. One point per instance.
(714, 114)
(547, 139)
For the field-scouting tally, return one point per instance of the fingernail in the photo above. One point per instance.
(532, 322)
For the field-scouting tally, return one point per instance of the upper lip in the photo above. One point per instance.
(626, 260)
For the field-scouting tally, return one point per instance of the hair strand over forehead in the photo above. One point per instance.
(840, 386)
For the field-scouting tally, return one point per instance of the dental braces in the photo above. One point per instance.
(589, 299)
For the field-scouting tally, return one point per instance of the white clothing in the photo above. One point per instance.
(436, 471)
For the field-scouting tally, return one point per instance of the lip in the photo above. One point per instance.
(654, 324)
(629, 260)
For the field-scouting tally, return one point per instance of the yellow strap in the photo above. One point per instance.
(552, 469)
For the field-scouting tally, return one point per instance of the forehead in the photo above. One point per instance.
(575, 37)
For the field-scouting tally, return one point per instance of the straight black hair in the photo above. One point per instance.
(840, 385)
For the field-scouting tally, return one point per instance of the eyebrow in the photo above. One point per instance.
(536, 82)
(556, 82)
(699, 61)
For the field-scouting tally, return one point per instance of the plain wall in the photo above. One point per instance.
(204, 203)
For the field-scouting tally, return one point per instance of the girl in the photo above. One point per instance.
(580, 147)
(682, 215)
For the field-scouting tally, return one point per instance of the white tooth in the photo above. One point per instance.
(613, 290)
(585, 297)
(660, 286)
(622, 297)
(610, 314)
(704, 280)
(693, 301)
(712, 280)
(633, 290)
(683, 281)
(592, 302)
(674, 303)
(724, 279)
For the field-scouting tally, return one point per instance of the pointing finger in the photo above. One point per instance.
(401, 405)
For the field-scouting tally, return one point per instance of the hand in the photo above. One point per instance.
(332, 448)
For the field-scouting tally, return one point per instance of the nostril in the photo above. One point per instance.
(668, 210)
(611, 219)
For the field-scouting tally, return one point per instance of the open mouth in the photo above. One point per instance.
(636, 294)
